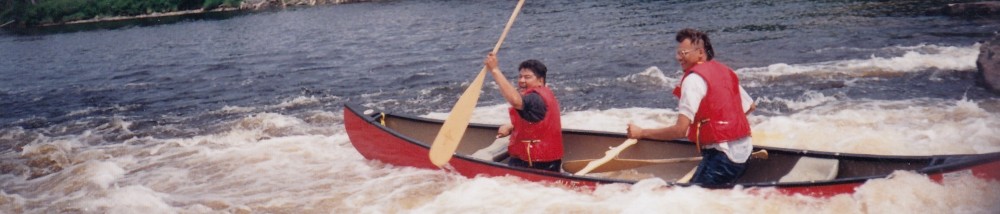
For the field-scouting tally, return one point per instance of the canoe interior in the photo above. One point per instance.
(581, 145)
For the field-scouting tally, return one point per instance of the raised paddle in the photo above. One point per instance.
(454, 127)
(616, 164)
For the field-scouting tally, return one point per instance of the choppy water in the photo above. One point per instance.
(244, 114)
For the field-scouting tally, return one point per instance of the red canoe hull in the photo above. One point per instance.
(376, 142)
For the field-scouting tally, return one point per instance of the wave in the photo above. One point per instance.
(807, 100)
(897, 61)
(652, 76)
(903, 59)
(273, 162)
(907, 127)
(903, 192)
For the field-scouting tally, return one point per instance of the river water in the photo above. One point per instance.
(244, 114)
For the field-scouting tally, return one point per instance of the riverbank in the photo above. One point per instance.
(267, 4)
(54, 14)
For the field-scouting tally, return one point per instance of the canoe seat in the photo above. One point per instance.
(496, 152)
(812, 169)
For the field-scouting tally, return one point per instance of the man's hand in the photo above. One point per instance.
(491, 62)
(634, 131)
(753, 106)
(504, 130)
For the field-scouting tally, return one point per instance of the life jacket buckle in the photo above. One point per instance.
(531, 141)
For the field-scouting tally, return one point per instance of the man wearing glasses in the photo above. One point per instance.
(713, 108)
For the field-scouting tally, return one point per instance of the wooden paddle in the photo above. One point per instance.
(620, 164)
(616, 164)
(610, 154)
(451, 132)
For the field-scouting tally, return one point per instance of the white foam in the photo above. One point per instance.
(809, 99)
(512, 195)
(130, 199)
(964, 194)
(916, 58)
(63, 190)
(234, 109)
(268, 160)
(91, 175)
(651, 76)
(908, 127)
(10, 203)
(298, 101)
(87, 110)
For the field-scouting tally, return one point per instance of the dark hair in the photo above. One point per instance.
(536, 67)
(697, 37)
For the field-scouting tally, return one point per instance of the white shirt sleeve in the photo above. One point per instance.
(693, 89)
(747, 100)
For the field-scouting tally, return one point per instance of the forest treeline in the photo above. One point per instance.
(38, 12)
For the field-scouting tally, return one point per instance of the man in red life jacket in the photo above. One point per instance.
(713, 108)
(535, 130)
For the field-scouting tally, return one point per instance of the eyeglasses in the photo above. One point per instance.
(685, 52)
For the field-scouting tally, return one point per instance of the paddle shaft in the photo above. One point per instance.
(451, 132)
(610, 154)
(616, 164)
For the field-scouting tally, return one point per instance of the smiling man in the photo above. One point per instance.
(713, 108)
(535, 128)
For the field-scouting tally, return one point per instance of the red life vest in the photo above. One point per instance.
(720, 113)
(544, 136)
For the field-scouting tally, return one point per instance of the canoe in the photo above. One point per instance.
(404, 140)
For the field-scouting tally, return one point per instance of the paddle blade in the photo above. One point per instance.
(608, 155)
(762, 154)
(451, 132)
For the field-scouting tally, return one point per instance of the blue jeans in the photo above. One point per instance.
(550, 166)
(716, 169)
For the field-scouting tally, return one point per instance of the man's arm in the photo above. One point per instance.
(506, 89)
(534, 108)
(694, 89)
(678, 130)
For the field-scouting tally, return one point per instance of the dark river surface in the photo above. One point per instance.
(243, 113)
